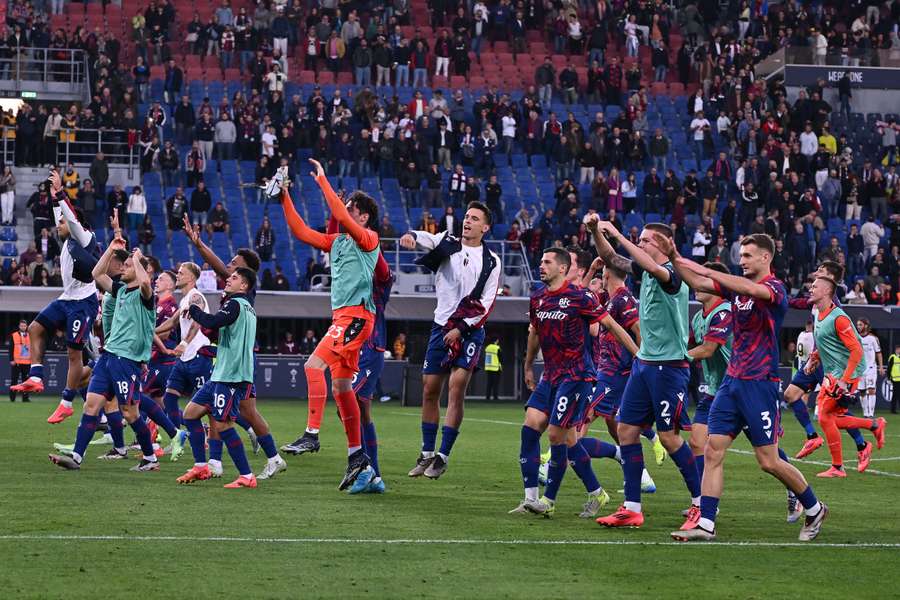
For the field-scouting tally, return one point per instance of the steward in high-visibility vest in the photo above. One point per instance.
(19, 358)
(893, 372)
(492, 368)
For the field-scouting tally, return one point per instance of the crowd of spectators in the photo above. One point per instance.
(774, 164)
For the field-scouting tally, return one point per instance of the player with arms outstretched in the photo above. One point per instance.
(354, 254)
(117, 374)
(748, 396)
(231, 379)
(563, 319)
(74, 310)
(249, 417)
(466, 282)
(657, 386)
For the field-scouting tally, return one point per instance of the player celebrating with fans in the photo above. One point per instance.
(840, 351)
(249, 417)
(74, 310)
(354, 254)
(748, 396)
(231, 379)
(563, 319)
(659, 376)
(117, 374)
(466, 282)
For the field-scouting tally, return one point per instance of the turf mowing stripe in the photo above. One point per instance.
(735, 450)
(263, 540)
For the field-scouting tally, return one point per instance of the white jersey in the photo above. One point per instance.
(73, 289)
(871, 346)
(200, 340)
(456, 278)
(805, 345)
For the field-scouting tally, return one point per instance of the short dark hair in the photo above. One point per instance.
(616, 271)
(835, 269)
(864, 320)
(561, 256)
(830, 281)
(365, 204)
(248, 275)
(152, 260)
(660, 228)
(250, 257)
(171, 274)
(120, 255)
(760, 240)
(81, 217)
(483, 208)
(582, 258)
(717, 266)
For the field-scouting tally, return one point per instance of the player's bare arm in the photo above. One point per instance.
(596, 266)
(141, 275)
(531, 349)
(100, 274)
(604, 248)
(694, 275)
(738, 285)
(638, 255)
(209, 257)
(703, 351)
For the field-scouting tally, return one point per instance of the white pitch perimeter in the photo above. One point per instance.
(376, 541)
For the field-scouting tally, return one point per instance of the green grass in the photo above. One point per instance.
(470, 502)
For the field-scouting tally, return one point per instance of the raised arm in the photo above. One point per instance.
(604, 248)
(301, 230)
(63, 210)
(365, 238)
(643, 260)
(209, 257)
(412, 240)
(141, 275)
(100, 274)
(596, 265)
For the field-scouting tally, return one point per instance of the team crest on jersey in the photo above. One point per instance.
(564, 303)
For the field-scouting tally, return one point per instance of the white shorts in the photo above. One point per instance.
(869, 379)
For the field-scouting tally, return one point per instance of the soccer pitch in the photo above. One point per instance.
(108, 532)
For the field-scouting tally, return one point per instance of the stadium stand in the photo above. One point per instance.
(572, 108)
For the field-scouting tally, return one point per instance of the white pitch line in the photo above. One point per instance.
(412, 541)
(735, 450)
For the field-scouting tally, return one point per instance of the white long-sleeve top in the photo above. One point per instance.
(456, 278)
(73, 289)
(137, 203)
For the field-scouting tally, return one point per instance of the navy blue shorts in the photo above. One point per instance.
(808, 383)
(747, 405)
(701, 414)
(116, 377)
(222, 399)
(655, 394)
(437, 353)
(75, 317)
(608, 394)
(156, 378)
(566, 403)
(365, 381)
(188, 377)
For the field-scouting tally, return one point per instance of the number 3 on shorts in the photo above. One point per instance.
(766, 420)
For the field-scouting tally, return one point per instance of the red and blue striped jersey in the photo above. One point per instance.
(165, 308)
(610, 356)
(755, 352)
(381, 295)
(562, 321)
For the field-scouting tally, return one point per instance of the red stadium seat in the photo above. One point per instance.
(326, 78)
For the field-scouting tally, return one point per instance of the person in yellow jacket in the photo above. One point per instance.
(19, 359)
(492, 369)
(893, 373)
